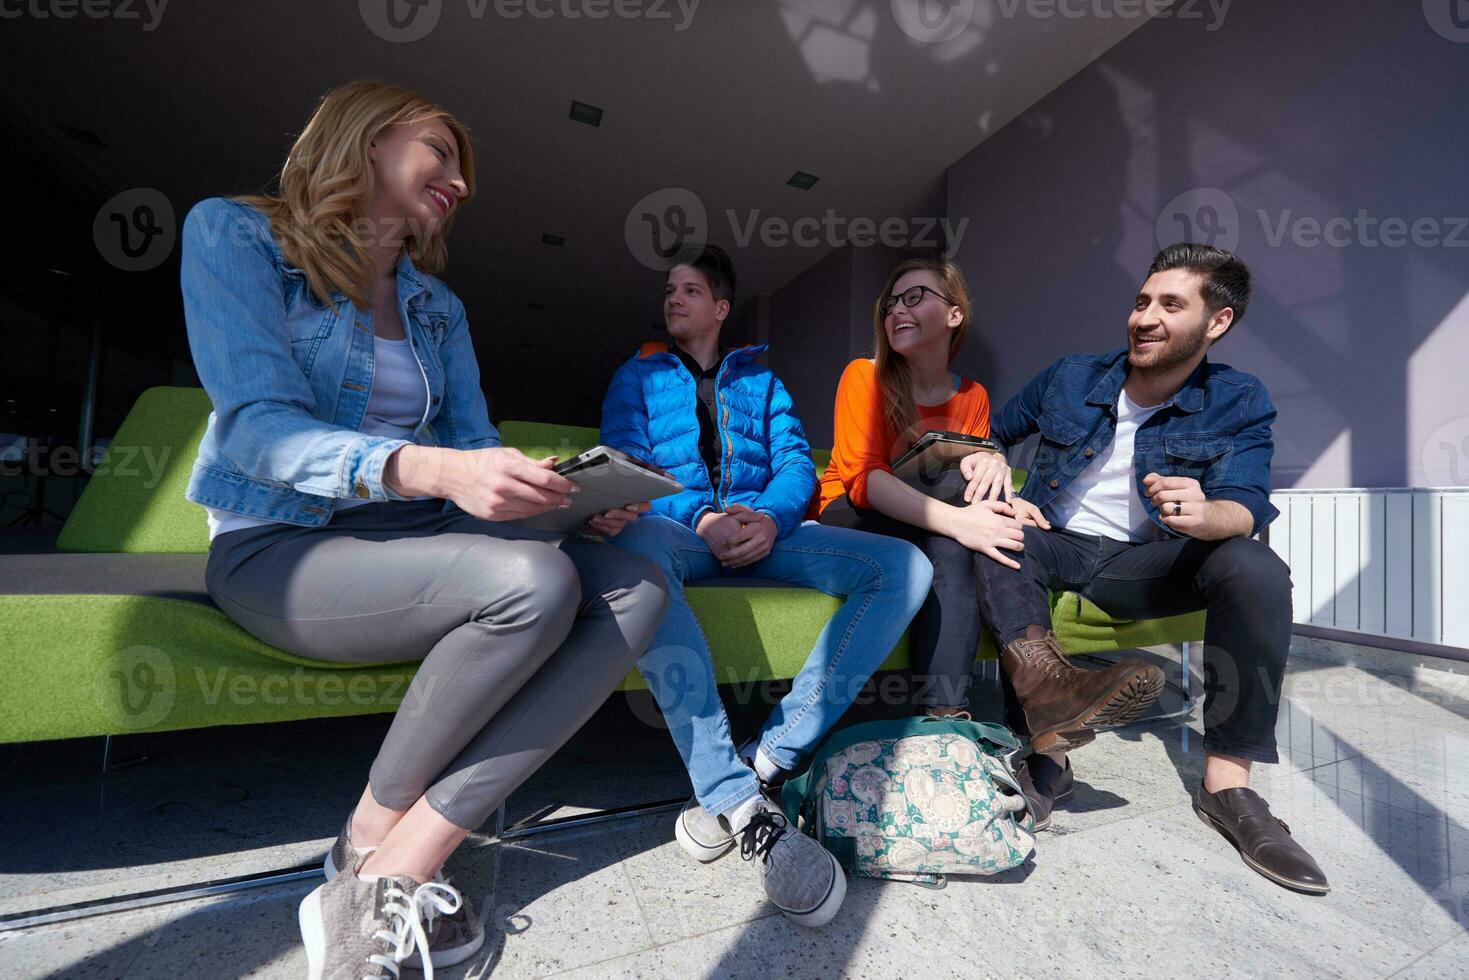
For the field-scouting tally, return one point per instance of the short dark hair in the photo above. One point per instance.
(714, 264)
(1226, 277)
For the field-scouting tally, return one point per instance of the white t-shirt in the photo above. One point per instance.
(394, 408)
(1103, 499)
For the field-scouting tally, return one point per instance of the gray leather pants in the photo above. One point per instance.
(523, 634)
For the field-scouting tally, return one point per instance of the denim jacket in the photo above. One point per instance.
(289, 378)
(1216, 429)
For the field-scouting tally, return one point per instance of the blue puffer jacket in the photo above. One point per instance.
(650, 412)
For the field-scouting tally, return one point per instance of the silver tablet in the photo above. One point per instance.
(607, 478)
(929, 465)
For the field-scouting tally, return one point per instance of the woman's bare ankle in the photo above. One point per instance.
(371, 822)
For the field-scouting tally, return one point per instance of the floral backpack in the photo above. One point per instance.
(916, 799)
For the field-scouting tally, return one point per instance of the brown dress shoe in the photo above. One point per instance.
(1052, 780)
(1037, 800)
(1262, 839)
(1063, 703)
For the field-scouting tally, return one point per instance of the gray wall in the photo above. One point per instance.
(1309, 109)
(821, 320)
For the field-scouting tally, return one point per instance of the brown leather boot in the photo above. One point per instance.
(1063, 703)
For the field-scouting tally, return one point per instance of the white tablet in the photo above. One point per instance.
(608, 478)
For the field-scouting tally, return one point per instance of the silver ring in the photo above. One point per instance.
(1177, 507)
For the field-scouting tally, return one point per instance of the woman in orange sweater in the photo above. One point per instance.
(882, 406)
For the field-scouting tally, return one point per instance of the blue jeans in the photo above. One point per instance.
(884, 581)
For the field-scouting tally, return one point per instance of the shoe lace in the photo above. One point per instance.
(765, 828)
(405, 914)
(1044, 654)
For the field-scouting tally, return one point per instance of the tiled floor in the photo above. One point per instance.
(1374, 779)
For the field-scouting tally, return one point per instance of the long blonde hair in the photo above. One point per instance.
(328, 177)
(894, 376)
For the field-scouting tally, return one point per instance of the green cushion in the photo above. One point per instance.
(120, 664)
(1082, 627)
(114, 664)
(541, 439)
(135, 501)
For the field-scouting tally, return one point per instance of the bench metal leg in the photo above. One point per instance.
(537, 824)
(158, 896)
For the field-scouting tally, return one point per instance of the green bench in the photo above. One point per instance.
(112, 632)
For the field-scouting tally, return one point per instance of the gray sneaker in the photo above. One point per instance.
(703, 836)
(359, 929)
(801, 878)
(452, 938)
(343, 854)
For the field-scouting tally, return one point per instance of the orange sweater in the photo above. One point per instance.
(862, 441)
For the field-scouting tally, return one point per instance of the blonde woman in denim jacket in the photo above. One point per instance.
(358, 496)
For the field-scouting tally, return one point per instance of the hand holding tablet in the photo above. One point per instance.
(605, 480)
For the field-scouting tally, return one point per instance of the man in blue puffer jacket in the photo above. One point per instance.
(724, 426)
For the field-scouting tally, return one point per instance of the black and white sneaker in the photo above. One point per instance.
(800, 877)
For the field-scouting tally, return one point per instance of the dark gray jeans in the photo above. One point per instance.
(522, 634)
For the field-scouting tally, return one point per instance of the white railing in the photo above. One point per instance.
(1391, 562)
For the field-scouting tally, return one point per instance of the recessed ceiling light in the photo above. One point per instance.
(583, 112)
(803, 181)
(536, 306)
(84, 136)
(556, 240)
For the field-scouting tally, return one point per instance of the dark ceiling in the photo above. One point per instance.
(727, 100)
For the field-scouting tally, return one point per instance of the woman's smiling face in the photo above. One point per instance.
(417, 176)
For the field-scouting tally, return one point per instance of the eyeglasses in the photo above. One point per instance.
(911, 297)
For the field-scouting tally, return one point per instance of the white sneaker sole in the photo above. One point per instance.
(703, 853)
(830, 905)
(447, 957)
(313, 933)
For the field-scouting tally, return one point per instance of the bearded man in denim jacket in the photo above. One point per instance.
(1150, 480)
